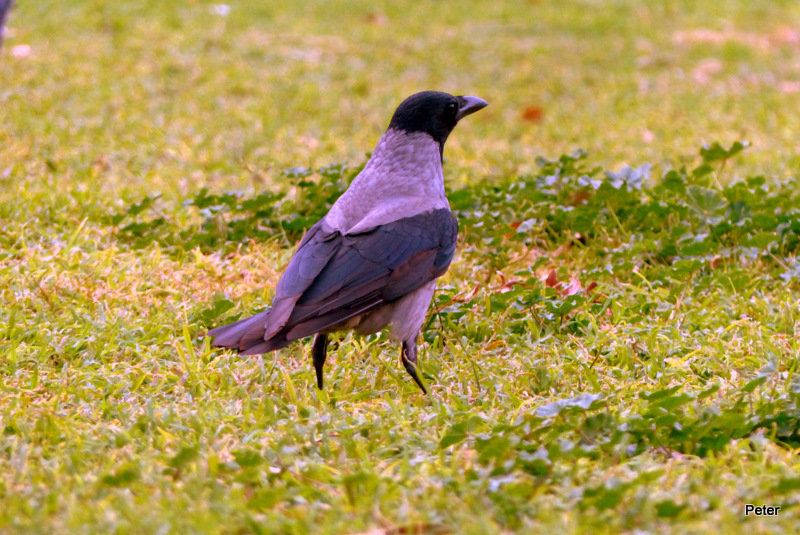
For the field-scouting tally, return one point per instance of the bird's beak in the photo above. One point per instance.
(469, 105)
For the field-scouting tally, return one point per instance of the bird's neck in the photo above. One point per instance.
(405, 163)
(402, 178)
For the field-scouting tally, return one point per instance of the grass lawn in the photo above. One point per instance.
(615, 347)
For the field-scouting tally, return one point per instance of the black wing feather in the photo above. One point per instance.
(382, 265)
(334, 277)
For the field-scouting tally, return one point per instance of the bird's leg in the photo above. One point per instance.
(318, 352)
(408, 355)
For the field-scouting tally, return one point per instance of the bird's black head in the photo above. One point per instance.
(434, 113)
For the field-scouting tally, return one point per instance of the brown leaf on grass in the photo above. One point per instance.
(505, 285)
(580, 196)
(552, 279)
(515, 225)
(508, 285)
(376, 18)
(460, 298)
(532, 114)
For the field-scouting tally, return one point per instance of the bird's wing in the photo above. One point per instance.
(314, 252)
(334, 277)
(374, 267)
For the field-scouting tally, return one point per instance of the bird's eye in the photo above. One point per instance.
(452, 107)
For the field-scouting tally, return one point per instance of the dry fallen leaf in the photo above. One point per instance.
(376, 18)
(580, 196)
(533, 114)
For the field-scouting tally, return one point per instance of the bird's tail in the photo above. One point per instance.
(247, 335)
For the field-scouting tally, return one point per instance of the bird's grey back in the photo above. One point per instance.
(403, 178)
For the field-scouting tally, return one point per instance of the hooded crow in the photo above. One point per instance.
(373, 260)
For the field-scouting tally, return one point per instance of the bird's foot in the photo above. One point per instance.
(319, 351)
(408, 355)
